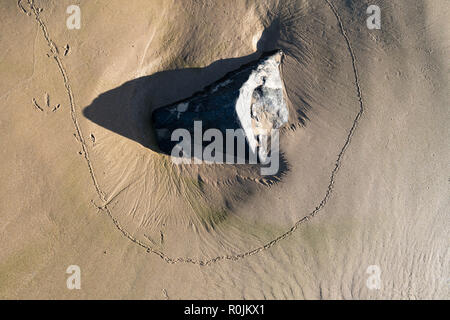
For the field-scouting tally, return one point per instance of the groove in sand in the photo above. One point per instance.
(73, 113)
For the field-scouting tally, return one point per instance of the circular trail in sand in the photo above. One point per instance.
(203, 214)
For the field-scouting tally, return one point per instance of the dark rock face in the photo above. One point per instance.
(250, 98)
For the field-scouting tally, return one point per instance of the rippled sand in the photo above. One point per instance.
(364, 180)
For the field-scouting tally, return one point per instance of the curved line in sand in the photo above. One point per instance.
(101, 195)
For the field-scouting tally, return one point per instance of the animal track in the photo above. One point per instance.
(66, 50)
(106, 207)
(47, 104)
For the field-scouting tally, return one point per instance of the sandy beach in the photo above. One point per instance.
(364, 180)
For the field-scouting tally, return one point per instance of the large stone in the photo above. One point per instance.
(250, 98)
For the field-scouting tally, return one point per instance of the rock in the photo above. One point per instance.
(250, 98)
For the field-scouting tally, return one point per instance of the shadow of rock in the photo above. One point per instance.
(127, 109)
